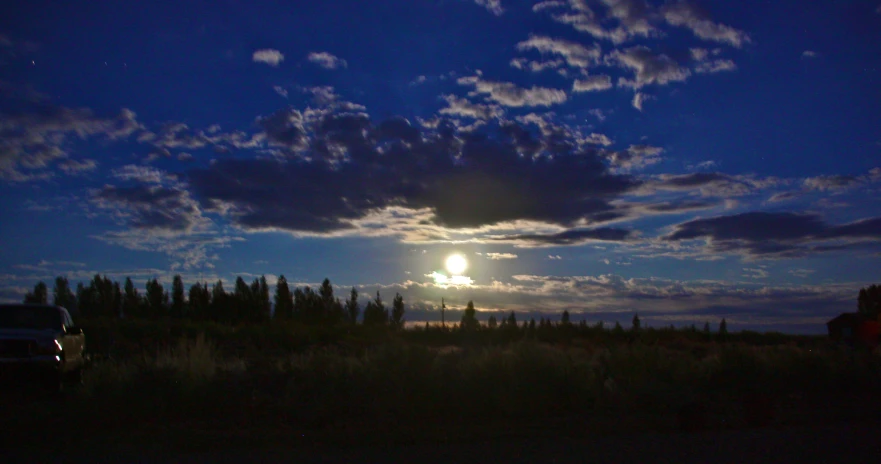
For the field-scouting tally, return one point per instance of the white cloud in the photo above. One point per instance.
(685, 15)
(803, 273)
(280, 90)
(709, 164)
(648, 67)
(509, 94)
(547, 5)
(500, 256)
(536, 66)
(74, 167)
(462, 107)
(597, 139)
(808, 54)
(555, 257)
(575, 54)
(327, 60)
(715, 66)
(635, 157)
(756, 273)
(598, 113)
(639, 99)
(699, 54)
(493, 6)
(268, 56)
(592, 84)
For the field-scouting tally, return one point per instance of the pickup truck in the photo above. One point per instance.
(42, 342)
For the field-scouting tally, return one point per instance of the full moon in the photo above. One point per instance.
(456, 264)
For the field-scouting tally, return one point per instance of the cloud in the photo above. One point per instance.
(781, 234)
(268, 56)
(639, 99)
(599, 114)
(647, 67)
(555, 257)
(570, 237)
(536, 66)
(549, 4)
(803, 273)
(75, 168)
(831, 183)
(756, 273)
(714, 183)
(592, 84)
(632, 17)
(284, 128)
(597, 139)
(807, 54)
(509, 94)
(439, 178)
(462, 107)
(34, 140)
(715, 66)
(493, 6)
(685, 15)
(500, 256)
(575, 54)
(635, 157)
(327, 60)
(708, 164)
(280, 90)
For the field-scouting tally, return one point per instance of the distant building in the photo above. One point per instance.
(855, 329)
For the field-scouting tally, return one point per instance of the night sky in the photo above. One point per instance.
(689, 160)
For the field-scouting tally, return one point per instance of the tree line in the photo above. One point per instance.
(246, 304)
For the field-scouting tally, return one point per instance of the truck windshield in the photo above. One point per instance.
(29, 317)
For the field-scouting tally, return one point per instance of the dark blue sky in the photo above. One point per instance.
(687, 160)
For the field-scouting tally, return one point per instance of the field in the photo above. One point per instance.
(190, 385)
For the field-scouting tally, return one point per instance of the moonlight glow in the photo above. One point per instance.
(456, 264)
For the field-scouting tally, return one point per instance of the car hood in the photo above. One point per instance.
(30, 334)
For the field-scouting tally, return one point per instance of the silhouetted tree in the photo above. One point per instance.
(617, 329)
(200, 301)
(469, 318)
(352, 308)
(492, 323)
(707, 328)
(157, 299)
(284, 300)
(565, 319)
(263, 303)
(512, 320)
(636, 323)
(40, 295)
(242, 301)
(132, 306)
(83, 299)
(532, 324)
(177, 297)
(397, 321)
(220, 303)
(62, 296)
(723, 328)
(869, 301)
(376, 313)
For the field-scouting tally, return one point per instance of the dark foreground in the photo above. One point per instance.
(838, 442)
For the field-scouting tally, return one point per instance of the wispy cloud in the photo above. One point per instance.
(327, 60)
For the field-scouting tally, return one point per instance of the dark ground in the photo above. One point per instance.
(839, 442)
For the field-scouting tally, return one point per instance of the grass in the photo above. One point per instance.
(365, 386)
